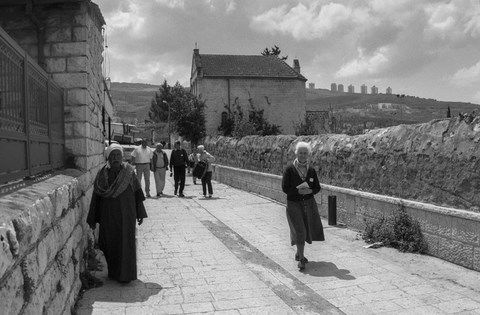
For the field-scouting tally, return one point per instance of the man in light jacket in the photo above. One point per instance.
(159, 167)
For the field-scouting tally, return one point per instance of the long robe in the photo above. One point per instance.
(117, 218)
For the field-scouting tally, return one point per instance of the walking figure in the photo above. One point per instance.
(178, 164)
(300, 183)
(204, 156)
(159, 167)
(117, 202)
(141, 156)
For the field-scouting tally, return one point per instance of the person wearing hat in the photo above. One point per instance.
(116, 205)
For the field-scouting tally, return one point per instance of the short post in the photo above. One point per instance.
(332, 210)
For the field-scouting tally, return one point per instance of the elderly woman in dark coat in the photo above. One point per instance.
(300, 183)
(117, 204)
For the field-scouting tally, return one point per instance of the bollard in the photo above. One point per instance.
(332, 210)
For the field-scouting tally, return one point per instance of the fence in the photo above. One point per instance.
(32, 138)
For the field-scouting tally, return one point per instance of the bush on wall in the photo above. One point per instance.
(401, 232)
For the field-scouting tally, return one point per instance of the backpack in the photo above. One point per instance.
(200, 169)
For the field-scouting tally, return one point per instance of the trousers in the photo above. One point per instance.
(159, 176)
(179, 178)
(207, 182)
(144, 169)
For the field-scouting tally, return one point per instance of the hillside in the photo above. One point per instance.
(372, 111)
(132, 100)
(351, 112)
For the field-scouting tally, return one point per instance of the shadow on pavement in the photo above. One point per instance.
(212, 198)
(114, 292)
(327, 269)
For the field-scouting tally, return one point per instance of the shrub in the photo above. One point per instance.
(401, 232)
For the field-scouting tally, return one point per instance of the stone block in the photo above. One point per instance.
(79, 34)
(69, 49)
(71, 80)
(456, 252)
(62, 200)
(77, 97)
(77, 64)
(29, 267)
(12, 293)
(8, 246)
(55, 65)
(58, 34)
(476, 258)
(47, 249)
(465, 231)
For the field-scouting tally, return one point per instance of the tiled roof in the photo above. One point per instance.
(245, 66)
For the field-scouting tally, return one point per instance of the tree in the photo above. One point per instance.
(187, 113)
(449, 113)
(190, 120)
(274, 51)
(158, 108)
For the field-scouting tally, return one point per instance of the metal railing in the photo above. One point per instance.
(32, 133)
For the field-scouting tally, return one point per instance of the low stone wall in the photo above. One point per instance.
(43, 236)
(451, 234)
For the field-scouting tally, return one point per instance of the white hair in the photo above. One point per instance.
(303, 144)
(201, 147)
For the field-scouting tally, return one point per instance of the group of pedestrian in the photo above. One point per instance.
(157, 161)
(117, 199)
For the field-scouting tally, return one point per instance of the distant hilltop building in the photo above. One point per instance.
(333, 87)
(363, 89)
(374, 90)
(311, 86)
(340, 88)
(389, 90)
(351, 89)
(266, 82)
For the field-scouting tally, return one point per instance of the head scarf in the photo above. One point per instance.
(120, 183)
(112, 147)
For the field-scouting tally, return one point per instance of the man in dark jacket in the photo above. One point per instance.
(178, 164)
(159, 167)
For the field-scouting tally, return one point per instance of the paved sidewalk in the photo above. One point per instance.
(231, 255)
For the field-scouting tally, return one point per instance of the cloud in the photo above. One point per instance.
(365, 65)
(304, 22)
(467, 76)
(408, 44)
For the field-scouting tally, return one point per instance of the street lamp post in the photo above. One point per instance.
(169, 136)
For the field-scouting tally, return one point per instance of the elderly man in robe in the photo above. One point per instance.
(117, 205)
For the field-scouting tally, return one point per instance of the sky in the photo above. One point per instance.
(424, 48)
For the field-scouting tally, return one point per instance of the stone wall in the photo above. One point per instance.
(450, 234)
(71, 40)
(42, 228)
(283, 100)
(436, 162)
(43, 235)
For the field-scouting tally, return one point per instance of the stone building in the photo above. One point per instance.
(374, 90)
(45, 222)
(340, 88)
(388, 90)
(351, 89)
(265, 82)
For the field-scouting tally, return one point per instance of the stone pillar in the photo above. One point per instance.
(65, 37)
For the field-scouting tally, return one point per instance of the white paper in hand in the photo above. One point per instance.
(303, 185)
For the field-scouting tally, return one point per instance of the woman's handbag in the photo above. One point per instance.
(200, 169)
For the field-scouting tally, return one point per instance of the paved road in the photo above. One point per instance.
(231, 255)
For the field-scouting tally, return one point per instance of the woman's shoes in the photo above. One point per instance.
(301, 264)
(297, 258)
